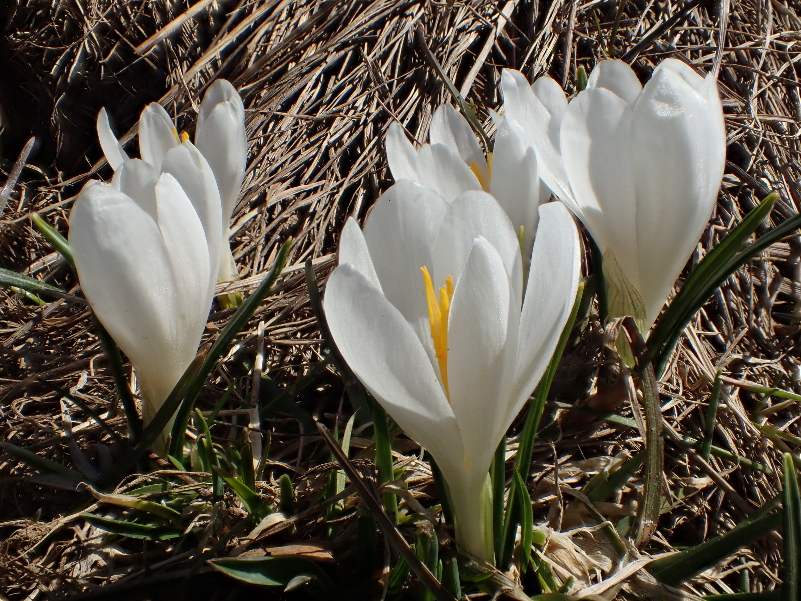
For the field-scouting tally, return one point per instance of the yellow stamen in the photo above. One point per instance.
(483, 179)
(175, 135)
(184, 137)
(438, 320)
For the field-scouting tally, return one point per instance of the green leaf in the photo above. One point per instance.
(498, 473)
(131, 502)
(287, 499)
(53, 236)
(791, 533)
(526, 519)
(604, 485)
(711, 417)
(277, 571)
(42, 464)
(132, 529)
(721, 262)
(765, 596)
(679, 567)
(17, 280)
(249, 497)
(186, 402)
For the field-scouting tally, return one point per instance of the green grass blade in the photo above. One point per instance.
(12, 278)
(275, 571)
(132, 529)
(221, 346)
(791, 533)
(526, 520)
(604, 485)
(249, 497)
(711, 417)
(498, 473)
(704, 279)
(130, 502)
(532, 423)
(120, 381)
(41, 464)
(679, 567)
(53, 236)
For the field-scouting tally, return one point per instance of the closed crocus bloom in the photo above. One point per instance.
(454, 163)
(641, 166)
(220, 137)
(429, 309)
(144, 262)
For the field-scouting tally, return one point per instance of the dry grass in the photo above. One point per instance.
(321, 81)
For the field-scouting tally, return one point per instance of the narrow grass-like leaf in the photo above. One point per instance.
(28, 295)
(277, 571)
(383, 458)
(132, 502)
(537, 406)
(765, 596)
(12, 278)
(120, 381)
(53, 236)
(221, 346)
(526, 519)
(286, 501)
(498, 473)
(711, 417)
(427, 549)
(249, 497)
(41, 464)
(450, 577)
(708, 275)
(604, 485)
(791, 533)
(679, 567)
(132, 529)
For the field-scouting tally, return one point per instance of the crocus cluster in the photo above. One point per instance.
(150, 245)
(640, 166)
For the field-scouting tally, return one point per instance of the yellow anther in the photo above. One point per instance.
(484, 178)
(438, 320)
(184, 137)
(175, 135)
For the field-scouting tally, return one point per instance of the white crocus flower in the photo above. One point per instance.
(453, 163)
(220, 137)
(641, 167)
(452, 369)
(146, 264)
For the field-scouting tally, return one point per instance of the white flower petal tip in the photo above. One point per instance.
(143, 264)
(640, 165)
(427, 308)
(112, 149)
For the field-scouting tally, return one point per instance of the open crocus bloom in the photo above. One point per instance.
(454, 163)
(452, 368)
(641, 167)
(146, 265)
(220, 137)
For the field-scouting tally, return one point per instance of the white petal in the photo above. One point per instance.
(441, 169)
(194, 175)
(448, 127)
(219, 92)
(595, 146)
(137, 179)
(353, 249)
(384, 352)
(617, 77)
(482, 350)
(516, 183)
(538, 109)
(157, 134)
(112, 148)
(471, 215)
(400, 234)
(677, 154)
(401, 155)
(187, 249)
(550, 294)
(223, 142)
(126, 275)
